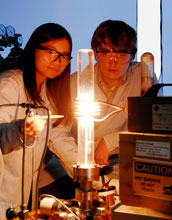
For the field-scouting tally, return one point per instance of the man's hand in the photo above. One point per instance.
(102, 153)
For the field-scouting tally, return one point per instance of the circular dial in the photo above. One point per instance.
(19, 40)
(10, 31)
(2, 30)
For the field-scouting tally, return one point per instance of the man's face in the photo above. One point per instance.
(113, 65)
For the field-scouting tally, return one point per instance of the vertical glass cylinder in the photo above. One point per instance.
(147, 72)
(85, 90)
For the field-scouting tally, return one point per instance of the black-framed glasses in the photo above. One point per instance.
(52, 55)
(105, 55)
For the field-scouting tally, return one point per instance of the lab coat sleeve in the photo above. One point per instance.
(63, 145)
(9, 124)
(112, 142)
(9, 133)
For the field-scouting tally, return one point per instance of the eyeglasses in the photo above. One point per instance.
(108, 55)
(52, 55)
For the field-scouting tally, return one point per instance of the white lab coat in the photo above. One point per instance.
(109, 129)
(12, 91)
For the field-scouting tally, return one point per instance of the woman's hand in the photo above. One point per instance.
(34, 125)
(102, 153)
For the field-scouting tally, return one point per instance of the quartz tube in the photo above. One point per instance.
(85, 96)
(147, 72)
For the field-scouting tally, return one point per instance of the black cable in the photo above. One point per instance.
(22, 216)
(42, 159)
(23, 207)
(29, 106)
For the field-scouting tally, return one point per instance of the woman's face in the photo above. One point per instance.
(51, 58)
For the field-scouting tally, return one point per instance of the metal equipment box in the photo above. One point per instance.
(145, 170)
(150, 114)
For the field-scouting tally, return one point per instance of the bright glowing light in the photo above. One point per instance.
(85, 107)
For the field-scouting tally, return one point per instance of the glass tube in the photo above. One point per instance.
(147, 72)
(85, 93)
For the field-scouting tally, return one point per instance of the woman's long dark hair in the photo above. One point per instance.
(58, 89)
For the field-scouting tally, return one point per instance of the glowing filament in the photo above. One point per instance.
(86, 108)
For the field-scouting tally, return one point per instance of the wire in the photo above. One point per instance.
(59, 201)
(42, 159)
(111, 105)
(107, 116)
(23, 155)
(23, 162)
(118, 109)
(29, 106)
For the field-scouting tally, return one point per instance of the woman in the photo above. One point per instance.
(41, 77)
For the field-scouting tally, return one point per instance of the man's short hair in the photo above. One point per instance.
(119, 33)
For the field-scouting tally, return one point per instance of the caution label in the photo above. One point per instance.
(152, 178)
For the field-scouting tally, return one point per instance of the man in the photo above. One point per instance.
(117, 77)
